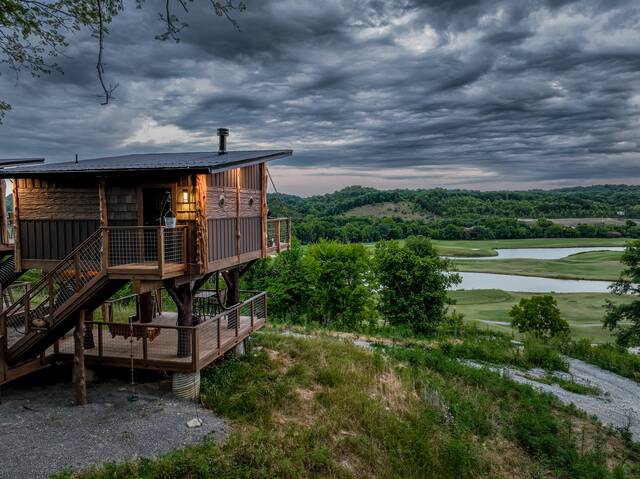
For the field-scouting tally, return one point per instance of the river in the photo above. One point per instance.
(534, 284)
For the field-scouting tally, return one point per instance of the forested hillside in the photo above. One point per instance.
(460, 214)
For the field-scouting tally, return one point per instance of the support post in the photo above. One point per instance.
(183, 297)
(232, 278)
(79, 378)
(146, 307)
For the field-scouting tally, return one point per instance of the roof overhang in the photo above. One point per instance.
(136, 164)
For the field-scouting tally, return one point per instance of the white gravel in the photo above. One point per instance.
(42, 432)
(618, 405)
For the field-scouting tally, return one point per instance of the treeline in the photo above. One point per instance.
(461, 214)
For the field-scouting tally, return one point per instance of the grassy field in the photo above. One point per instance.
(402, 209)
(584, 311)
(471, 247)
(322, 407)
(596, 265)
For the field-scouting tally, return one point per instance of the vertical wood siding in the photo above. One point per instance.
(244, 208)
(53, 239)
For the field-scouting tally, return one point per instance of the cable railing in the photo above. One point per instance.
(164, 344)
(278, 235)
(36, 308)
(146, 249)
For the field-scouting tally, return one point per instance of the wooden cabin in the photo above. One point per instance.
(169, 220)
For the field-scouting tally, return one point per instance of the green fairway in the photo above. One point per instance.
(596, 265)
(532, 243)
(584, 311)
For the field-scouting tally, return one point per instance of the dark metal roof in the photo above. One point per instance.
(198, 162)
(19, 161)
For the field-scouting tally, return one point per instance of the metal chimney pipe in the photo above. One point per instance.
(223, 133)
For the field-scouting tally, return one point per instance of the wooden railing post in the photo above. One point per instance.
(252, 308)
(277, 235)
(185, 246)
(105, 248)
(195, 349)
(218, 334)
(161, 250)
(52, 299)
(76, 270)
(288, 234)
(27, 313)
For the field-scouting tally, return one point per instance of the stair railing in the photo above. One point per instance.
(36, 308)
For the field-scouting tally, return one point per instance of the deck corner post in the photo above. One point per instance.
(79, 373)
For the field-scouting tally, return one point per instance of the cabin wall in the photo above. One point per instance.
(54, 216)
(234, 216)
(122, 204)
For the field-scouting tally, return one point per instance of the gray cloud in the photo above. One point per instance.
(421, 92)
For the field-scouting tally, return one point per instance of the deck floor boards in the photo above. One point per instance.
(163, 349)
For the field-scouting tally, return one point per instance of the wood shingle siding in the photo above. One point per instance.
(122, 205)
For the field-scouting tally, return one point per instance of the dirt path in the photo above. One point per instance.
(42, 432)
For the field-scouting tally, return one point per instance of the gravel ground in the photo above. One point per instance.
(617, 406)
(42, 432)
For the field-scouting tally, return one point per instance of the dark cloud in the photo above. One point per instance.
(479, 93)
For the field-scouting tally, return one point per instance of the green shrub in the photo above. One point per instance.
(542, 355)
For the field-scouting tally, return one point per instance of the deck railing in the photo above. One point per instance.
(168, 346)
(278, 235)
(146, 248)
(36, 308)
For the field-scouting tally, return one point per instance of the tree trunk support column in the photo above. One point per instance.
(146, 307)
(232, 278)
(79, 378)
(183, 297)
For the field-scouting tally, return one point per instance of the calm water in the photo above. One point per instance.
(531, 284)
(544, 253)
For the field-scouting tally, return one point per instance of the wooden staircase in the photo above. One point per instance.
(51, 307)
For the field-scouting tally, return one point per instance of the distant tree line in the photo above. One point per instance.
(461, 214)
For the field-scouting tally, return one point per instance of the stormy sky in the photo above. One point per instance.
(483, 94)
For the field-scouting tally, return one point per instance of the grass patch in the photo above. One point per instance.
(595, 265)
(533, 243)
(583, 311)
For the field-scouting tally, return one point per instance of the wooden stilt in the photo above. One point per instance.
(79, 378)
(146, 308)
(183, 297)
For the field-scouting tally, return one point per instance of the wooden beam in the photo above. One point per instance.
(202, 235)
(263, 208)
(4, 224)
(16, 226)
(79, 378)
(104, 220)
(238, 213)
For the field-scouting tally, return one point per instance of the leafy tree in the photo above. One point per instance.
(340, 284)
(284, 277)
(32, 31)
(413, 284)
(540, 316)
(628, 284)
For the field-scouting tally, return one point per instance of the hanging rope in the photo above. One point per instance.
(134, 395)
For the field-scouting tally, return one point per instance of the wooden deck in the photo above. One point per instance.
(161, 353)
(149, 269)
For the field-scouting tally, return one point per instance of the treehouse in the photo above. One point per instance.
(160, 221)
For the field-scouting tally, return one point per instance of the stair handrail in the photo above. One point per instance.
(44, 280)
